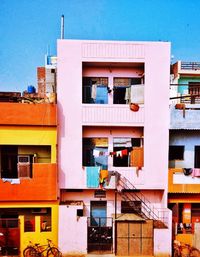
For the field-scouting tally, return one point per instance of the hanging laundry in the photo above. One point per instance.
(124, 152)
(187, 171)
(128, 95)
(92, 177)
(103, 174)
(119, 153)
(137, 94)
(103, 178)
(195, 172)
(94, 91)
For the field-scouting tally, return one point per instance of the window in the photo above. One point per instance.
(128, 152)
(45, 220)
(95, 152)
(9, 161)
(194, 89)
(16, 161)
(121, 89)
(29, 223)
(130, 207)
(176, 152)
(95, 90)
(195, 212)
(98, 213)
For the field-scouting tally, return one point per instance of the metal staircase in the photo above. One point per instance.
(146, 210)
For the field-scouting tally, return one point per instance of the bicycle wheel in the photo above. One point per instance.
(54, 252)
(176, 253)
(30, 252)
(195, 253)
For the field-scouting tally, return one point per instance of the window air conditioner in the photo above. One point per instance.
(23, 158)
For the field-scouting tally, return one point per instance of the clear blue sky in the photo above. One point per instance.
(27, 27)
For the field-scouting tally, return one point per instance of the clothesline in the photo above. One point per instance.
(120, 153)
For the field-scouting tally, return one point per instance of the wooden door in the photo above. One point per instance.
(134, 238)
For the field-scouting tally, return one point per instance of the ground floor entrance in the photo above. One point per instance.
(100, 235)
(134, 238)
(9, 236)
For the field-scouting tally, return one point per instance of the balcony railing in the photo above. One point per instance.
(119, 114)
(28, 114)
(181, 182)
(42, 185)
(190, 65)
(185, 93)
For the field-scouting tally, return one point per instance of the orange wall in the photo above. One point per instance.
(28, 114)
(43, 185)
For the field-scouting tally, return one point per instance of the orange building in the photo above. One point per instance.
(28, 172)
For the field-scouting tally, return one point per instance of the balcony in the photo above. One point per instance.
(184, 116)
(104, 104)
(187, 93)
(44, 114)
(181, 182)
(117, 115)
(187, 68)
(41, 186)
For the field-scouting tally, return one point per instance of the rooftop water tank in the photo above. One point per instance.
(31, 89)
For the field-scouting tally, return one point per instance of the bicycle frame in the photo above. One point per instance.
(40, 249)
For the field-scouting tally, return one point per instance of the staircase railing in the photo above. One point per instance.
(130, 193)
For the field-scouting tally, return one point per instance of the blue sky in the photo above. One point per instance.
(28, 27)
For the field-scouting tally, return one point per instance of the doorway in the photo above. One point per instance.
(134, 238)
(100, 229)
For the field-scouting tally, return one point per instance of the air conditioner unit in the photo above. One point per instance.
(23, 158)
(39, 210)
(24, 170)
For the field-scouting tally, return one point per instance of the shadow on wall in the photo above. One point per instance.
(61, 132)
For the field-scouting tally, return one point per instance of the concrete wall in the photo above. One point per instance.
(72, 231)
(156, 57)
(188, 139)
(75, 242)
(73, 55)
(163, 247)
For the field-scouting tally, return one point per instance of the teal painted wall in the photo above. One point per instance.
(185, 80)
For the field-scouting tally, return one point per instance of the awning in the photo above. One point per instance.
(128, 217)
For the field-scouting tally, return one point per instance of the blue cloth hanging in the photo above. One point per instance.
(92, 177)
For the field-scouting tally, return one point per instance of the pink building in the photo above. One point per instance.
(113, 100)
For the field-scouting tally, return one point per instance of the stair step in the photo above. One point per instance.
(130, 190)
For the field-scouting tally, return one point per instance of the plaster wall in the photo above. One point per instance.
(156, 59)
(75, 242)
(188, 139)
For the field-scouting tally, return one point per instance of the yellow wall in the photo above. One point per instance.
(43, 152)
(37, 236)
(185, 238)
(30, 136)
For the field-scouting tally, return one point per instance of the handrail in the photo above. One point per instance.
(147, 209)
(145, 202)
(190, 65)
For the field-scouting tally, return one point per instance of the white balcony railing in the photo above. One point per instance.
(118, 114)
